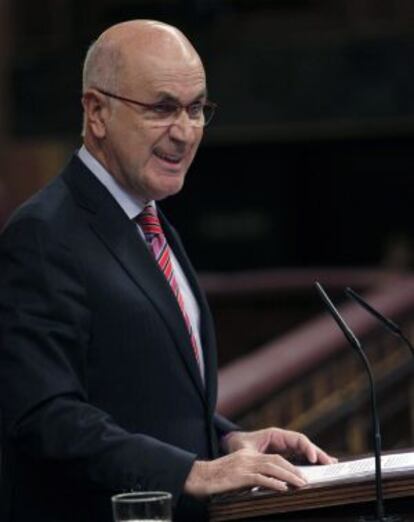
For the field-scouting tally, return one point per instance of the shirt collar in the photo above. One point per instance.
(131, 205)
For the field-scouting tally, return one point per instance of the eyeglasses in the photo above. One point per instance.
(166, 113)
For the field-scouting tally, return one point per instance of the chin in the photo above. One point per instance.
(160, 193)
(169, 189)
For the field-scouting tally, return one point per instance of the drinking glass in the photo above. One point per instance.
(142, 506)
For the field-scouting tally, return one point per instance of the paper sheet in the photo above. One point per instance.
(360, 468)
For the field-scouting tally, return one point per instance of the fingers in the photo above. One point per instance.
(283, 471)
(272, 483)
(243, 468)
(313, 453)
(279, 441)
(324, 458)
(301, 445)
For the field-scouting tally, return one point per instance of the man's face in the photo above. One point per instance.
(148, 158)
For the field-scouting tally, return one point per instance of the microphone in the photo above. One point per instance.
(390, 325)
(356, 345)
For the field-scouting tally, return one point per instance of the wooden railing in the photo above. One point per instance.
(252, 307)
(309, 379)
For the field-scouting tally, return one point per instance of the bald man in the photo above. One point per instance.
(107, 350)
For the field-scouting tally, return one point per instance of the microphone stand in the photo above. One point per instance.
(390, 325)
(354, 342)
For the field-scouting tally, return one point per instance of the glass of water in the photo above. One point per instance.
(142, 506)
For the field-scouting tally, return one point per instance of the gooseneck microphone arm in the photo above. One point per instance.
(354, 342)
(390, 325)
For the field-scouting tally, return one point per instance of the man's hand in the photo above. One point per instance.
(242, 468)
(276, 440)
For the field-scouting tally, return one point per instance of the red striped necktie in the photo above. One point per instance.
(155, 237)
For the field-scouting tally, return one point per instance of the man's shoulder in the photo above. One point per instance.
(47, 205)
(53, 206)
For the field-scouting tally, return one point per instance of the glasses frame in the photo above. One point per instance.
(152, 106)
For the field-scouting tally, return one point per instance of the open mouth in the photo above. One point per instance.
(169, 158)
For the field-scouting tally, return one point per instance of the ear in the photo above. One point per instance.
(96, 109)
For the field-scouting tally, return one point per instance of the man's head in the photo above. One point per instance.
(145, 147)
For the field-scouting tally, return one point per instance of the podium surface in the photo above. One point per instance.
(343, 500)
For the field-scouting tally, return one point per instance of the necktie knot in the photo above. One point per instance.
(149, 222)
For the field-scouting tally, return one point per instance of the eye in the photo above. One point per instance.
(164, 109)
(195, 109)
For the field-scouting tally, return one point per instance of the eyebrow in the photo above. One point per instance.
(167, 96)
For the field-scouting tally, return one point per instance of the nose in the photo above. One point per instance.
(182, 129)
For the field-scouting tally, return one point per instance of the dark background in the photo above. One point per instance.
(310, 158)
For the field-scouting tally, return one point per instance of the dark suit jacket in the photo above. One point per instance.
(99, 388)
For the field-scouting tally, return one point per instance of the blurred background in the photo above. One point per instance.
(308, 163)
(310, 158)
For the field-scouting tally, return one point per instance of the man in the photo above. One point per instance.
(107, 355)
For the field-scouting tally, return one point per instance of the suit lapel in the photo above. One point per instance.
(208, 340)
(122, 240)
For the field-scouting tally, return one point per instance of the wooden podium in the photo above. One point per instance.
(346, 501)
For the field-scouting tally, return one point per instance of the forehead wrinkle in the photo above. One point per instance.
(159, 69)
(177, 83)
(171, 84)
